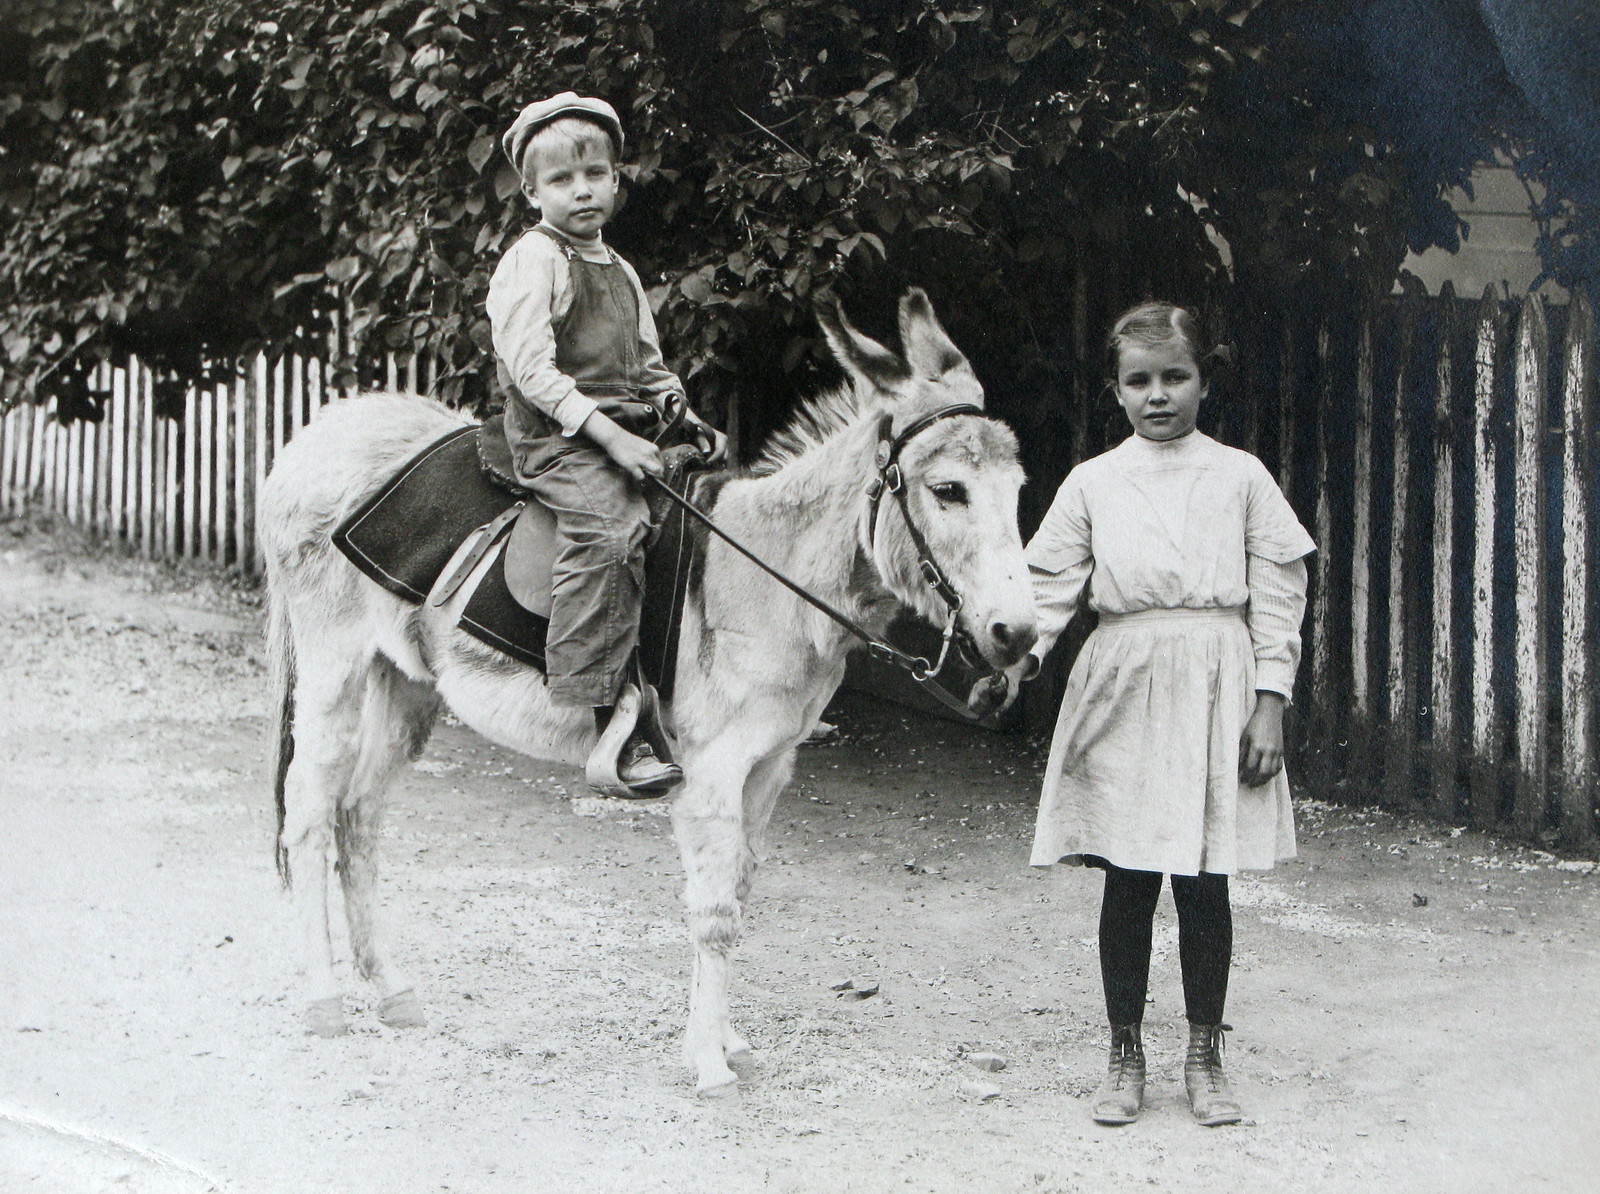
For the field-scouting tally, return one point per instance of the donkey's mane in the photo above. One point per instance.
(814, 422)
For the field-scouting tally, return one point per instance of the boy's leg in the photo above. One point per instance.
(598, 575)
(597, 588)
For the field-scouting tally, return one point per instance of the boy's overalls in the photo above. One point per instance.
(601, 515)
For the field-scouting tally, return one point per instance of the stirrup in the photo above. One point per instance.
(600, 769)
(637, 715)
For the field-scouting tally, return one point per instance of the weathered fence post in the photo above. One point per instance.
(105, 496)
(1286, 404)
(1403, 571)
(1326, 722)
(1083, 375)
(1580, 624)
(8, 456)
(1444, 740)
(191, 469)
(1485, 733)
(168, 432)
(145, 417)
(244, 495)
(117, 427)
(1531, 689)
(1360, 734)
(256, 391)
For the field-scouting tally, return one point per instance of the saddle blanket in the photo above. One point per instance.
(403, 536)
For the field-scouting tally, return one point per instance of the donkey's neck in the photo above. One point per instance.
(806, 517)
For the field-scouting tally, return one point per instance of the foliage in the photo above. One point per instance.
(196, 179)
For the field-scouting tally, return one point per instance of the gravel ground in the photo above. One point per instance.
(1412, 1002)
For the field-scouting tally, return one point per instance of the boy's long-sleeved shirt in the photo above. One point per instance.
(529, 293)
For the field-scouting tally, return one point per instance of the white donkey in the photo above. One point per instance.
(360, 674)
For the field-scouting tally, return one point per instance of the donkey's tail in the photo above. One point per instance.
(281, 669)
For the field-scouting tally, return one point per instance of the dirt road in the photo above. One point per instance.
(1414, 1005)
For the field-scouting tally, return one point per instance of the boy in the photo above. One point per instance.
(581, 366)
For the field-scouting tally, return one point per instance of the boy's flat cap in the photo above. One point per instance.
(566, 103)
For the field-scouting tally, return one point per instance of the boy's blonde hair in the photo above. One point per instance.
(569, 132)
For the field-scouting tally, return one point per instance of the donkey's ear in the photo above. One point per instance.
(860, 355)
(929, 350)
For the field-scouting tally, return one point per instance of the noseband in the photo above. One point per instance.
(889, 479)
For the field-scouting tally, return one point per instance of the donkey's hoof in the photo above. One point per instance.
(402, 1010)
(325, 1017)
(726, 1091)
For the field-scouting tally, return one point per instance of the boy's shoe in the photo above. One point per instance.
(624, 762)
(644, 775)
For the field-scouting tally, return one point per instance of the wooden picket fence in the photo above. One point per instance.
(1443, 453)
(181, 488)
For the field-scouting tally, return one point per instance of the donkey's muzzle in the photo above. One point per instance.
(1010, 641)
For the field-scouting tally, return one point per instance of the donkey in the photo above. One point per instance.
(360, 675)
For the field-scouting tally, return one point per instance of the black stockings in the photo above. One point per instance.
(1205, 942)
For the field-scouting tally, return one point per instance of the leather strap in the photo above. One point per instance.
(879, 648)
(482, 540)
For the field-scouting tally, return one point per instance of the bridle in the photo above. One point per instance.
(887, 479)
(890, 480)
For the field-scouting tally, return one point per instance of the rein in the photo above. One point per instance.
(888, 479)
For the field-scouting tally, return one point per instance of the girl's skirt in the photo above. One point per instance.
(1144, 764)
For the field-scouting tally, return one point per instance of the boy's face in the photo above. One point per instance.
(574, 185)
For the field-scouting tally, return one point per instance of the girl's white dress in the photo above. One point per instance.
(1195, 562)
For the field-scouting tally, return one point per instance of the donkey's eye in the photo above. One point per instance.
(953, 492)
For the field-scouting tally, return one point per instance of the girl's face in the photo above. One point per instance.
(1159, 388)
(574, 186)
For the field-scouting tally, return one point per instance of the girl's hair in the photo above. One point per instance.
(568, 132)
(1161, 323)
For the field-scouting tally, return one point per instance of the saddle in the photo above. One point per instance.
(453, 520)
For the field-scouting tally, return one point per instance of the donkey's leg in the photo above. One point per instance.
(710, 819)
(397, 715)
(761, 790)
(326, 712)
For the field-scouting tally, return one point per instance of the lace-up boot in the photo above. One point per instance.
(1210, 1097)
(1122, 1093)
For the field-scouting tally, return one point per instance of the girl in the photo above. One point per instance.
(1168, 752)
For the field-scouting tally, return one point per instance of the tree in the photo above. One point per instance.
(193, 180)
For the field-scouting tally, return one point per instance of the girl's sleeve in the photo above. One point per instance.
(1276, 546)
(1271, 528)
(1277, 607)
(1060, 559)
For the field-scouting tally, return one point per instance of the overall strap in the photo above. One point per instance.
(570, 250)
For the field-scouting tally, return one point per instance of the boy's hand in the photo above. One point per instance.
(637, 457)
(1261, 746)
(713, 442)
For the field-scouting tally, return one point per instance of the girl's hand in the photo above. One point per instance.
(1261, 746)
(996, 692)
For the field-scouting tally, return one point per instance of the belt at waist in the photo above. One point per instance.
(1146, 617)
